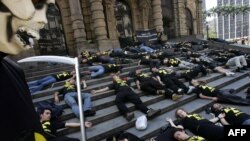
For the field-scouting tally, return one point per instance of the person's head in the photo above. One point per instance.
(45, 114)
(165, 60)
(216, 107)
(115, 77)
(194, 82)
(73, 72)
(180, 135)
(181, 113)
(20, 22)
(154, 69)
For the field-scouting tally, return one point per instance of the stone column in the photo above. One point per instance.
(77, 26)
(182, 17)
(99, 24)
(134, 8)
(157, 16)
(199, 17)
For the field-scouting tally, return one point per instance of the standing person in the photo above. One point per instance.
(50, 127)
(231, 115)
(38, 85)
(69, 93)
(198, 125)
(226, 96)
(124, 93)
(20, 23)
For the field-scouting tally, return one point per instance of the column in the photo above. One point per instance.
(99, 24)
(77, 26)
(157, 15)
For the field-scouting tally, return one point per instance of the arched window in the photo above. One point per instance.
(52, 38)
(123, 19)
(189, 20)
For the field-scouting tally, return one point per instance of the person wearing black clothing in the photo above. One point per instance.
(38, 85)
(124, 93)
(226, 96)
(50, 127)
(123, 136)
(168, 77)
(181, 135)
(232, 115)
(151, 86)
(20, 23)
(99, 70)
(147, 60)
(198, 125)
(194, 72)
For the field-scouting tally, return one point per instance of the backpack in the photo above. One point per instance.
(56, 110)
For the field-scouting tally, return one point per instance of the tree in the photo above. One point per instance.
(226, 10)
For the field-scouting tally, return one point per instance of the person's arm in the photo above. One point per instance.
(139, 63)
(84, 84)
(208, 97)
(159, 80)
(172, 123)
(100, 90)
(222, 119)
(138, 84)
(56, 97)
(214, 120)
(87, 124)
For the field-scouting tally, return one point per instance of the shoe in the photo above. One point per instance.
(230, 74)
(129, 116)
(238, 70)
(151, 113)
(89, 113)
(176, 97)
(160, 92)
(180, 91)
(244, 68)
(190, 90)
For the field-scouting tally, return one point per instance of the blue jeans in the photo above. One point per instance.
(38, 85)
(246, 122)
(146, 49)
(71, 97)
(96, 71)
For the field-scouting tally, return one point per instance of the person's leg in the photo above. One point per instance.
(170, 84)
(87, 105)
(135, 99)
(70, 99)
(48, 80)
(146, 87)
(243, 61)
(246, 122)
(233, 99)
(120, 103)
(180, 84)
(96, 71)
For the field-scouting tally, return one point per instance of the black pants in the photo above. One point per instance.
(210, 132)
(63, 139)
(174, 84)
(128, 95)
(151, 86)
(194, 72)
(226, 97)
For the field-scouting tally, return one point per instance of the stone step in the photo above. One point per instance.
(36, 77)
(217, 84)
(239, 85)
(99, 83)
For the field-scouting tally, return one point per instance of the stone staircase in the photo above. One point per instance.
(107, 120)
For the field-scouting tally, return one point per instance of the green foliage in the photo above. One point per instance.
(226, 10)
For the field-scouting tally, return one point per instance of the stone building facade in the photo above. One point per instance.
(98, 24)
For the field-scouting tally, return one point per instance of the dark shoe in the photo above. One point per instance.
(153, 113)
(180, 91)
(129, 116)
(244, 68)
(89, 113)
(238, 70)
